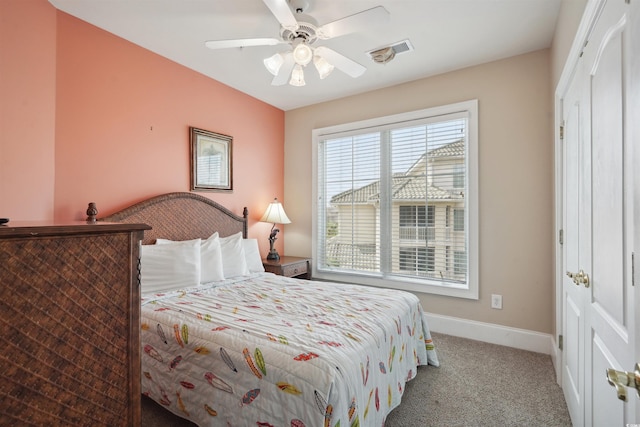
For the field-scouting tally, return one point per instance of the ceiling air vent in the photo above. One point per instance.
(385, 54)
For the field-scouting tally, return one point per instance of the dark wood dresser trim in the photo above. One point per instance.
(46, 228)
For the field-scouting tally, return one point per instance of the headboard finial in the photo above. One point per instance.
(92, 212)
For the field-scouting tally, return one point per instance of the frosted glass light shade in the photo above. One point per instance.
(273, 63)
(323, 67)
(302, 54)
(297, 76)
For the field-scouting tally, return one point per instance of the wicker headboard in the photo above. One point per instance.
(181, 216)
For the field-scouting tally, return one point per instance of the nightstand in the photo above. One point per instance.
(289, 266)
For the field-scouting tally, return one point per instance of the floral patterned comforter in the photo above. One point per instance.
(273, 351)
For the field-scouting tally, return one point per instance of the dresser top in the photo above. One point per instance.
(51, 228)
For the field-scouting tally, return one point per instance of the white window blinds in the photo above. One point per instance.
(392, 200)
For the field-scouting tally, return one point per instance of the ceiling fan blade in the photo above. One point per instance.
(353, 23)
(285, 70)
(224, 44)
(283, 13)
(341, 62)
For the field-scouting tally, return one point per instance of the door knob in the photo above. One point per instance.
(583, 278)
(574, 277)
(621, 379)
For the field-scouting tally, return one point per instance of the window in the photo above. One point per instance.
(396, 186)
(458, 220)
(460, 262)
(416, 222)
(413, 259)
(458, 176)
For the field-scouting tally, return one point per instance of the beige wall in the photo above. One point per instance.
(515, 173)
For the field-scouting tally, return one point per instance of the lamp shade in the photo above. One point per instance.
(323, 67)
(297, 76)
(275, 214)
(273, 63)
(302, 54)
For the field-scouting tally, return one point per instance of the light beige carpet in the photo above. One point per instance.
(481, 384)
(477, 384)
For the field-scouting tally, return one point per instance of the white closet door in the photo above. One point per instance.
(610, 310)
(573, 295)
(598, 204)
(633, 135)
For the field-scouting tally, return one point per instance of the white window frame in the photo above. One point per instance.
(471, 291)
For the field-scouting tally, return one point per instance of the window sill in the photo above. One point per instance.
(404, 284)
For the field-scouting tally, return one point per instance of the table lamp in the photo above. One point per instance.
(276, 215)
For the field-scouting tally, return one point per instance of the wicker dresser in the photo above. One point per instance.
(69, 324)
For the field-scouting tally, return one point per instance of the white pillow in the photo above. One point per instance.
(252, 255)
(165, 268)
(233, 260)
(210, 258)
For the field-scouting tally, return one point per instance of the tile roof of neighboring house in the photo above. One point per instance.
(407, 187)
(361, 195)
(418, 189)
(404, 188)
(453, 149)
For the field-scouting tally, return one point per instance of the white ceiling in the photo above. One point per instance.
(446, 35)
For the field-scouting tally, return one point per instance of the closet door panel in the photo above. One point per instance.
(608, 210)
(573, 317)
(609, 313)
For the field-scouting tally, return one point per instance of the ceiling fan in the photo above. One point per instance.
(301, 32)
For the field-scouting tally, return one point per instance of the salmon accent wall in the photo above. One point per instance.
(122, 129)
(27, 109)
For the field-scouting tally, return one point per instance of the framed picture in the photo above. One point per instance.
(211, 161)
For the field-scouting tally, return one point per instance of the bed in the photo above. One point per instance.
(251, 348)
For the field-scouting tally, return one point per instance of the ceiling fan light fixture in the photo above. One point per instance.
(273, 63)
(297, 76)
(302, 54)
(300, 32)
(323, 67)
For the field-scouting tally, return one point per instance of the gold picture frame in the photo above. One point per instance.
(211, 161)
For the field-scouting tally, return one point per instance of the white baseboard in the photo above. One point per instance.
(492, 333)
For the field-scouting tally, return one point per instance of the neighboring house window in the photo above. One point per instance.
(458, 176)
(412, 259)
(458, 220)
(460, 262)
(417, 259)
(414, 222)
(388, 193)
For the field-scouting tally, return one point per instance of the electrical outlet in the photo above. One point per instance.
(496, 301)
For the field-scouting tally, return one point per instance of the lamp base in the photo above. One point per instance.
(273, 255)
